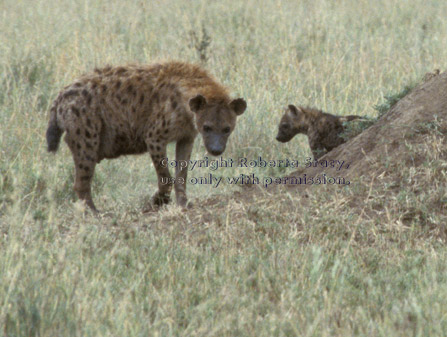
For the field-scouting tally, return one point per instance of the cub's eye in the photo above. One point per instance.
(207, 128)
(226, 130)
(284, 126)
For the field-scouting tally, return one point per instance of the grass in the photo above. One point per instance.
(366, 260)
(354, 128)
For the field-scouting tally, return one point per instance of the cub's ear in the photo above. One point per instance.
(238, 105)
(197, 103)
(293, 109)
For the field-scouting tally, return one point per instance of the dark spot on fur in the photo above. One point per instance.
(124, 101)
(70, 93)
(142, 99)
(87, 157)
(75, 111)
(130, 88)
(77, 84)
(121, 139)
(86, 168)
(78, 132)
(158, 148)
(166, 130)
(87, 134)
(88, 122)
(83, 110)
(118, 97)
(151, 147)
(87, 96)
(155, 97)
(103, 88)
(81, 166)
(134, 109)
(120, 70)
(150, 134)
(78, 146)
(85, 178)
(117, 84)
(88, 145)
(174, 104)
(94, 85)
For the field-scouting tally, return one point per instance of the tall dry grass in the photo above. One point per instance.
(280, 268)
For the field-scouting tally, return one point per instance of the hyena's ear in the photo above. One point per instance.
(294, 110)
(238, 105)
(197, 103)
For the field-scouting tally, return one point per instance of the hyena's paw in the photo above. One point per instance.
(156, 202)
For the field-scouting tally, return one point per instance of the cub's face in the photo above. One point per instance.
(216, 121)
(293, 122)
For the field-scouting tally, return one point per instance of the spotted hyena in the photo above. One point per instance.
(135, 109)
(322, 129)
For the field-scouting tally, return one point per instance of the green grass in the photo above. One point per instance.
(368, 260)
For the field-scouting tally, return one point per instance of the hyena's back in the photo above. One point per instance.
(112, 110)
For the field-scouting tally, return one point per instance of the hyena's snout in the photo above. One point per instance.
(284, 134)
(215, 144)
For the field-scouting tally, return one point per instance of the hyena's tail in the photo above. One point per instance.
(350, 118)
(54, 132)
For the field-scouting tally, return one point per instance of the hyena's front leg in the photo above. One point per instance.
(162, 196)
(183, 151)
(317, 148)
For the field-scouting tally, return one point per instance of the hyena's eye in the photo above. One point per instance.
(207, 128)
(226, 130)
(284, 126)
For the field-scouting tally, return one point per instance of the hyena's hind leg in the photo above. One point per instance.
(85, 155)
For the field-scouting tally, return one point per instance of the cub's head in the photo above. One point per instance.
(294, 121)
(216, 121)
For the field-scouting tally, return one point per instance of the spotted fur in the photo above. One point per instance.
(322, 129)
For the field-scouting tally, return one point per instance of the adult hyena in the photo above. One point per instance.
(323, 130)
(134, 109)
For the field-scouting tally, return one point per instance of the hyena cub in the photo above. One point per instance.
(135, 109)
(322, 129)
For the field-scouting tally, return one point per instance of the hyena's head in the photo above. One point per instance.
(293, 121)
(216, 121)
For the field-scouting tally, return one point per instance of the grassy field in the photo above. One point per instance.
(283, 268)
